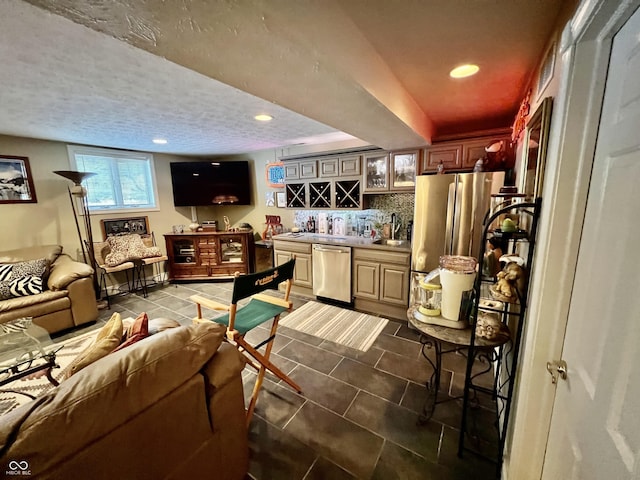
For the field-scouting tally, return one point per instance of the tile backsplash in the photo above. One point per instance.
(362, 223)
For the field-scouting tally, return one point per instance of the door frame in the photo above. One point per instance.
(583, 56)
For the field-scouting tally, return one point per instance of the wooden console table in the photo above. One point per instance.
(209, 255)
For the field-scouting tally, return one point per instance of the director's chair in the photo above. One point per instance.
(260, 309)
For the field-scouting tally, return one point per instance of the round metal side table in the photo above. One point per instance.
(434, 336)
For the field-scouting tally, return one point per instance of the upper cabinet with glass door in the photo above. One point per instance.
(376, 172)
(403, 170)
(390, 172)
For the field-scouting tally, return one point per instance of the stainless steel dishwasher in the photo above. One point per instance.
(332, 272)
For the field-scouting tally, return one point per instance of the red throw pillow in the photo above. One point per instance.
(136, 332)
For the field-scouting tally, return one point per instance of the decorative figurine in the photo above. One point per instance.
(510, 283)
(490, 327)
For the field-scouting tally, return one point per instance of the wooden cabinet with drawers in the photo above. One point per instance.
(381, 281)
(283, 251)
(460, 155)
(448, 155)
(209, 255)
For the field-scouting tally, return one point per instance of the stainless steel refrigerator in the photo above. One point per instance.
(448, 216)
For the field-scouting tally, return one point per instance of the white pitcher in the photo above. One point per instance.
(457, 275)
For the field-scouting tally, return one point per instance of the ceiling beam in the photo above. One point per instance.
(278, 50)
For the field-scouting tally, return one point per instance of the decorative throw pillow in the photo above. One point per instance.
(106, 342)
(37, 267)
(128, 247)
(27, 285)
(22, 278)
(136, 332)
(157, 325)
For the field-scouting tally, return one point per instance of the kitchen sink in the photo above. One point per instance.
(392, 243)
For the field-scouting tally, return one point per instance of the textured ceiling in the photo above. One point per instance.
(118, 73)
(65, 82)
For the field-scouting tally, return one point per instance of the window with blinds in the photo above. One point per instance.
(124, 181)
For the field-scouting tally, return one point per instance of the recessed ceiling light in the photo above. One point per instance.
(464, 71)
(159, 141)
(263, 117)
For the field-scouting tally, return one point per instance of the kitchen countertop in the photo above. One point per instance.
(349, 241)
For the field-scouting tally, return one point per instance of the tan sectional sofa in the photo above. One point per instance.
(68, 300)
(170, 406)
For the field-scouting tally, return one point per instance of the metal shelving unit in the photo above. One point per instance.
(505, 361)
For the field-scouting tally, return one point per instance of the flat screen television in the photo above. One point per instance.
(210, 183)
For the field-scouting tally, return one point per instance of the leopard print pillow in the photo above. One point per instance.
(125, 248)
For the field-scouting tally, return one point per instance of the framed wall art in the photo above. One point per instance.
(118, 226)
(281, 200)
(270, 199)
(16, 183)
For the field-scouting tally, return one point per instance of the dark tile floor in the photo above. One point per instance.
(358, 417)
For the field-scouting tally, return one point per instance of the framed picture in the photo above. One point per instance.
(16, 183)
(118, 226)
(270, 199)
(281, 199)
(403, 169)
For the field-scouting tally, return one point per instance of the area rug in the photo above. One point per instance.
(345, 327)
(11, 395)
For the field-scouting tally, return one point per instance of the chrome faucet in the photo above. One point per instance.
(395, 228)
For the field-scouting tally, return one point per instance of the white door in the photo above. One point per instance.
(595, 429)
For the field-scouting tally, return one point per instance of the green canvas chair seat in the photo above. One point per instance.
(260, 309)
(255, 313)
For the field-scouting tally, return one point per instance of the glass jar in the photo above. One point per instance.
(430, 298)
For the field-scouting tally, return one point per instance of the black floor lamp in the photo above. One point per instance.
(79, 193)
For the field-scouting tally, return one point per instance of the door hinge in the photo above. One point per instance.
(557, 368)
